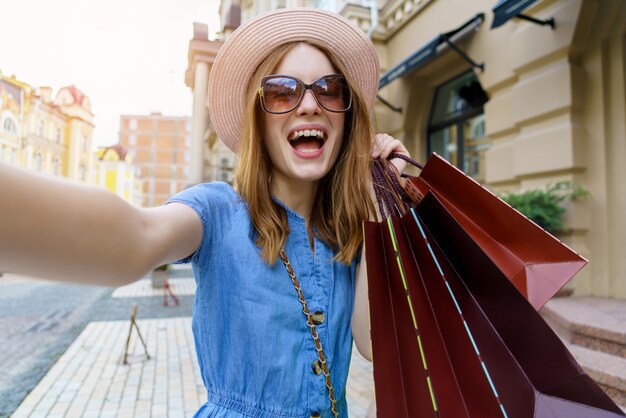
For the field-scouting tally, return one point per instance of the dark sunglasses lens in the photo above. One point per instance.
(333, 93)
(281, 94)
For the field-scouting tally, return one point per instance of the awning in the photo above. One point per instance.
(505, 10)
(433, 48)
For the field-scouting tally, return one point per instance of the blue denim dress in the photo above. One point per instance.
(254, 348)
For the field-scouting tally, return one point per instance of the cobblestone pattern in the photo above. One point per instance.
(90, 380)
(360, 388)
(39, 320)
(143, 288)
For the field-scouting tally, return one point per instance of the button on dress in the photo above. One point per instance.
(255, 351)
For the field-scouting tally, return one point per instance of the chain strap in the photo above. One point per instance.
(309, 321)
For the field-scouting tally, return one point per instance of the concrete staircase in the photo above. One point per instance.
(594, 330)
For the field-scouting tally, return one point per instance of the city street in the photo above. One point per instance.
(39, 320)
(62, 351)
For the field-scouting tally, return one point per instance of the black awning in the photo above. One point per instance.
(433, 48)
(504, 10)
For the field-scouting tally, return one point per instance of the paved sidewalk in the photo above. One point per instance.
(142, 288)
(89, 380)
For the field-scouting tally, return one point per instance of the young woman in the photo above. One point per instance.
(281, 284)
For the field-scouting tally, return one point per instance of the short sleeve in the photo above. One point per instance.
(215, 204)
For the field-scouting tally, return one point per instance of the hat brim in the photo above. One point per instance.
(252, 42)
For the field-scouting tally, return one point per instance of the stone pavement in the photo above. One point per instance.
(89, 380)
(38, 321)
(143, 288)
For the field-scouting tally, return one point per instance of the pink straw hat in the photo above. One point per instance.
(252, 42)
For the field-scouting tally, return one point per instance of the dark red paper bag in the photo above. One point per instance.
(437, 352)
(532, 259)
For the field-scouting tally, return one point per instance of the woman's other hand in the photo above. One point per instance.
(383, 145)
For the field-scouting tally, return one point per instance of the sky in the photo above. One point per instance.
(128, 56)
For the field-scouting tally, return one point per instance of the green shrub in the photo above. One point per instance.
(544, 206)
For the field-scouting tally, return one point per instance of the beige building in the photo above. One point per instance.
(51, 135)
(160, 147)
(548, 104)
(517, 106)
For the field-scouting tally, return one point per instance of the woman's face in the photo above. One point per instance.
(294, 156)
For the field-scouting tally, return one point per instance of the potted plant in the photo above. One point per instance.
(159, 275)
(544, 207)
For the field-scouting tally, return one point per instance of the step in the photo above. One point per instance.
(608, 371)
(596, 323)
(594, 331)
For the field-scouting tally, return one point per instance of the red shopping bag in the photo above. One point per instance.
(535, 262)
(451, 336)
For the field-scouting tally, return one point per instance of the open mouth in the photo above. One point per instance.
(307, 140)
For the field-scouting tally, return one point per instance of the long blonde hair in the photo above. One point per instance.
(339, 206)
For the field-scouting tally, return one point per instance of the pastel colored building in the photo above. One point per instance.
(115, 171)
(49, 134)
(160, 147)
(11, 119)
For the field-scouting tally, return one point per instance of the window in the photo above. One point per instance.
(132, 124)
(456, 128)
(42, 126)
(55, 167)
(85, 143)
(132, 140)
(187, 141)
(82, 172)
(58, 136)
(38, 161)
(188, 126)
(9, 126)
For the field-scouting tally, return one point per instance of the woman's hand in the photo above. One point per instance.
(383, 145)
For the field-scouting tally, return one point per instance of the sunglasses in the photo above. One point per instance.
(282, 93)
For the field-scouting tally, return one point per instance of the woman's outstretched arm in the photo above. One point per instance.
(56, 229)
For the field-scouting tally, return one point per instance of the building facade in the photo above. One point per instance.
(116, 172)
(49, 134)
(78, 135)
(160, 146)
(12, 98)
(547, 105)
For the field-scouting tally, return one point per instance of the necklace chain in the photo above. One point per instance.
(311, 325)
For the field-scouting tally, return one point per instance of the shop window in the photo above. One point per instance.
(456, 129)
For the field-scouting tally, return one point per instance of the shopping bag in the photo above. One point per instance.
(532, 259)
(437, 352)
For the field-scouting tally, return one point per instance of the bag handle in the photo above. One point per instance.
(390, 194)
